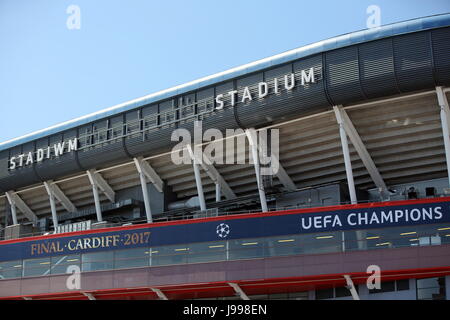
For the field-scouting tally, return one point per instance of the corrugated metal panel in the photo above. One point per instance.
(286, 104)
(342, 74)
(413, 62)
(24, 175)
(376, 66)
(63, 165)
(109, 148)
(441, 56)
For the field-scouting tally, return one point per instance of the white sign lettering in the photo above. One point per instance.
(58, 149)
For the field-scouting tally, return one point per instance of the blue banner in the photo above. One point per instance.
(265, 225)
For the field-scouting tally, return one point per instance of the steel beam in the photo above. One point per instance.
(90, 296)
(344, 120)
(351, 287)
(251, 136)
(159, 293)
(281, 173)
(15, 201)
(146, 172)
(346, 153)
(96, 179)
(60, 196)
(12, 204)
(198, 178)
(52, 205)
(214, 175)
(218, 192)
(445, 116)
(238, 290)
(97, 182)
(150, 173)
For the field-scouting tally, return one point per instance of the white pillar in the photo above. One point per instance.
(12, 204)
(98, 208)
(148, 210)
(351, 287)
(52, 204)
(198, 178)
(14, 214)
(347, 160)
(348, 164)
(53, 208)
(239, 290)
(218, 192)
(251, 135)
(443, 104)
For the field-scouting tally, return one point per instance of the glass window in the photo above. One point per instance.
(246, 249)
(431, 289)
(97, 261)
(11, 269)
(132, 258)
(282, 246)
(59, 264)
(321, 242)
(386, 286)
(168, 255)
(325, 294)
(343, 292)
(278, 296)
(402, 284)
(207, 251)
(304, 295)
(36, 267)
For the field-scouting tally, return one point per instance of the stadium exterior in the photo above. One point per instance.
(96, 208)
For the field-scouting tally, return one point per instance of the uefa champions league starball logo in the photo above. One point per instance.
(223, 230)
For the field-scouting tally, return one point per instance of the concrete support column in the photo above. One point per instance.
(51, 198)
(148, 210)
(347, 159)
(218, 192)
(198, 179)
(98, 208)
(12, 204)
(251, 136)
(445, 115)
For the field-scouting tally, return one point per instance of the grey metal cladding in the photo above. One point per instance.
(376, 67)
(441, 48)
(313, 95)
(4, 171)
(22, 176)
(342, 74)
(64, 164)
(286, 104)
(109, 144)
(413, 61)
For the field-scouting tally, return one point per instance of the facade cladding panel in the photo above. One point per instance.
(219, 119)
(342, 75)
(413, 62)
(376, 67)
(109, 152)
(441, 60)
(62, 165)
(379, 68)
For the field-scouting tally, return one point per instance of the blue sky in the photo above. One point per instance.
(128, 49)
